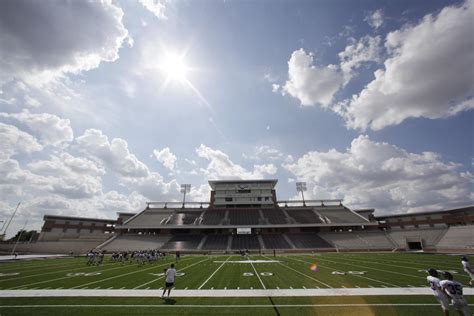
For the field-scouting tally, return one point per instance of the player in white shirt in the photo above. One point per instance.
(170, 275)
(454, 290)
(467, 268)
(433, 280)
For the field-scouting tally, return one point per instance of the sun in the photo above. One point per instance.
(174, 68)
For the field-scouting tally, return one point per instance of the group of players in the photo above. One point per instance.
(448, 289)
(140, 257)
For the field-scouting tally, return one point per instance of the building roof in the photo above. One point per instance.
(452, 211)
(213, 183)
(104, 220)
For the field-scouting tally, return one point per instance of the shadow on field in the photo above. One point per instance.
(168, 301)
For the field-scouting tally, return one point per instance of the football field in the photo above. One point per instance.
(303, 284)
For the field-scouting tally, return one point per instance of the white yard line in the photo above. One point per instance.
(371, 268)
(258, 276)
(434, 262)
(356, 275)
(405, 265)
(161, 277)
(214, 273)
(40, 274)
(46, 281)
(307, 276)
(372, 291)
(121, 275)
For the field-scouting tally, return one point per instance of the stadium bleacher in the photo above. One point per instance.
(135, 242)
(213, 217)
(359, 240)
(275, 216)
(308, 241)
(149, 217)
(428, 236)
(183, 218)
(245, 242)
(457, 237)
(216, 242)
(183, 242)
(273, 241)
(244, 217)
(339, 214)
(304, 216)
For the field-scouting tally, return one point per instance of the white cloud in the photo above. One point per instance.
(375, 19)
(166, 157)
(13, 141)
(32, 102)
(381, 175)
(132, 173)
(200, 194)
(157, 7)
(429, 73)
(68, 176)
(311, 84)
(366, 49)
(266, 152)
(221, 167)
(42, 40)
(50, 129)
(113, 154)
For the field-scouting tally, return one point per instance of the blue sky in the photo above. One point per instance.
(106, 105)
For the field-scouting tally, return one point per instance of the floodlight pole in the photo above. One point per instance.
(185, 188)
(19, 236)
(11, 218)
(300, 187)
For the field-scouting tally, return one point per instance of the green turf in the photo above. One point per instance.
(412, 305)
(208, 272)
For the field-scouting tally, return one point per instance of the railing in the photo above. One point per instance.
(177, 204)
(334, 202)
(282, 203)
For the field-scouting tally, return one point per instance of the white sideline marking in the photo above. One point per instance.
(227, 293)
(221, 306)
(223, 262)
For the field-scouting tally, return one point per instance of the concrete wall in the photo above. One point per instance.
(53, 247)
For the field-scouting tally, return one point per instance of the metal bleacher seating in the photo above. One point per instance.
(183, 242)
(308, 241)
(275, 242)
(216, 242)
(213, 217)
(339, 215)
(183, 218)
(305, 216)
(275, 216)
(245, 242)
(244, 217)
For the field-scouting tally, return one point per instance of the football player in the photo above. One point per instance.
(440, 296)
(454, 290)
(467, 268)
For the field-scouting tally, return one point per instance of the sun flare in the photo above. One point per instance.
(175, 68)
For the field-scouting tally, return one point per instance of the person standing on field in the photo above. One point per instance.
(170, 275)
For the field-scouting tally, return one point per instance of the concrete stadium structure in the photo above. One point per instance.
(246, 214)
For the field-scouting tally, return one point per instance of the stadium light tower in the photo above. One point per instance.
(301, 187)
(185, 188)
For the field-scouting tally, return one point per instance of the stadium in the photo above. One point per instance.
(242, 252)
